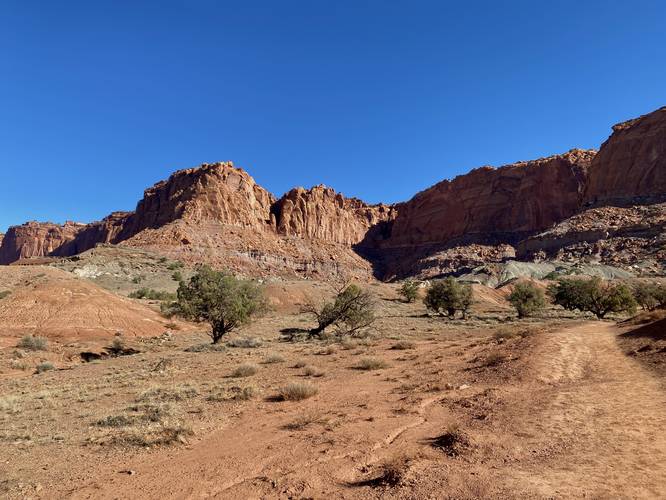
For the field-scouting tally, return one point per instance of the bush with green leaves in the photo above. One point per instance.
(409, 290)
(220, 299)
(351, 312)
(593, 295)
(447, 296)
(650, 296)
(527, 299)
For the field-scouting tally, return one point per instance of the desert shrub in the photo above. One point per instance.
(409, 290)
(403, 345)
(245, 370)
(593, 295)
(4, 294)
(527, 299)
(296, 391)
(650, 296)
(245, 342)
(137, 279)
(352, 311)
(312, 371)
(206, 348)
(175, 265)
(371, 364)
(453, 442)
(448, 296)
(178, 393)
(220, 299)
(151, 294)
(300, 363)
(116, 421)
(155, 435)
(177, 276)
(273, 358)
(30, 343)
(44, 366)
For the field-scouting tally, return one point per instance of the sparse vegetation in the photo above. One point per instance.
(371, 364)
(453, 442)
(448, 296)
(273, 358)
(312, 371)
(527, 299)
(352, 311)
(297, 391)
(44, 366)
(409, 291)
(220, 299)
(245, 342)
(150, 294)
(593, 295)
(177, 276)
(30, 343)
(403, 345)
(245, 370)
(206, 348)
(173, 266)
(178, 393)
(5, 294)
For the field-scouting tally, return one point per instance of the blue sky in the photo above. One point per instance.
(378, 99)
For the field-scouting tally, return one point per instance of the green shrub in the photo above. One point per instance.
(650, 296)
(352, 311)
(527, 299)
(219, 299)
(409, 290)
(30, 343)
(177, 276)
(4, 294)
(593, 295)
(448, 296)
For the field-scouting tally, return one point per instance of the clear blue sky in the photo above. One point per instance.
(378, 99)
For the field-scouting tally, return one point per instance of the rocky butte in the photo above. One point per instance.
(537, 209)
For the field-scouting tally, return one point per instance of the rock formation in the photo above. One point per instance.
(217, 213)
(631, 164)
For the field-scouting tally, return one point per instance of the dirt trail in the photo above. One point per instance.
(606, 412)
(582, 420)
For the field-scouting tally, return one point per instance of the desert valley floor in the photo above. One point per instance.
(423, 407)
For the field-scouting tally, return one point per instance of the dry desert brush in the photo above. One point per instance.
(220, 299)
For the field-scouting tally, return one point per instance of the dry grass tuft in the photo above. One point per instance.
(297, 391)
(453, 442)
(371, 364)
(245, 342)
(312, 371)
(44, 366)
(245, 370)
(403, 345)
(30, 343)
(273, 358)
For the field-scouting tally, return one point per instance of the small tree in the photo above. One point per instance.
(527, 299)
(448, 296)
(409, 290)
(220, 299)
(650, 296)
(593, 295)
(352, 310)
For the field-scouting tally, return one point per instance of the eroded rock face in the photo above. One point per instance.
(215, 192)
(36, 239)
(105, 231)
(491, 205)
(321, 213)
(631, 164)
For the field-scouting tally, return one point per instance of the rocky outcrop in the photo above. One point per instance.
(105, 231)
(215, 192)
(491, 205)
(631, 164)
(36, 239)
(322, 214)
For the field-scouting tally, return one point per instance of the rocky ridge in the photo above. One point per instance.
(217, 213)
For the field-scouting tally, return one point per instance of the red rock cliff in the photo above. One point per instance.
(321, 213)
(491, 204)
(36, 239)
(631, 164)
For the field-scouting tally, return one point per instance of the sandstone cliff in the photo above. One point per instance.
(631, 164)
(321, 213)
(36, 239)
(491, 205)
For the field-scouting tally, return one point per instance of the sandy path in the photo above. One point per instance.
(606, 412)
